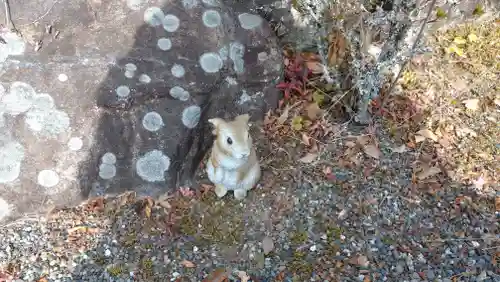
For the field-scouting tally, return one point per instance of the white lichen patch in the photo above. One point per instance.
(11, 156)
(134, 4)
(19, 99)
(152, 121)
(130, 67)
(210, 62)
(107, 168)
(75, 143)
(154, 16)
(144, 78)
(231, 81)
(107, 171)
(164, 44)
(224, 53)
(189, 4)
(48, 122)
(191, 116)
(108, 158)
(62, 77)
(41, 113)
(129, 74)
(43, 101)
(178, 71)
(5, 209)
(123, 91)
(171, 23)
(244, 97)
(249, 21)
(262, 57)
(236, 53)
(211, 18)
(48, 178)
(179, 93)
(152, 166)
(15, 46)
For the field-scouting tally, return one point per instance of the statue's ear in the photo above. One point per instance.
(216, 122)
(243, 118)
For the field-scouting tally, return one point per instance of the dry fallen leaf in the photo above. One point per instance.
(372, 151)
(306, 139)
(147, 211)
(188, 264)
(479, 183)
(315, 67)
(219, 275)
(267, 245)
(471, 104)
(350, 144)
(363, 139)
(313, 111)
(308, 158)
(243, 276)
(427, 134)
(399, 149)
(163, 201)
(338, 48)
(419, 138)
(428, 172)
(360, 260)
(284, 116)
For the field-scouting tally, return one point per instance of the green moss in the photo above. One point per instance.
(147, 267)
(130, 240)
(298, 238)
(299, 265)
(147, 264)
(334, 232)
(409, 79)
(99, 260)
(115, 270)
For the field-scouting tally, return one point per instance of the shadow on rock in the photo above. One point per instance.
(188, 63)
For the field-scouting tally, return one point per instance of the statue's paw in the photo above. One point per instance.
(220, 191)
(240, 194)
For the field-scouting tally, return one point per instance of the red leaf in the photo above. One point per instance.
(282, 85)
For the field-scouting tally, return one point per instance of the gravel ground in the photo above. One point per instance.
(362, 223)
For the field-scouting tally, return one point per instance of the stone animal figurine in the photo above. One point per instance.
(233, 164)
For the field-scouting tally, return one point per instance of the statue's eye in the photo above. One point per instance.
(229, 141)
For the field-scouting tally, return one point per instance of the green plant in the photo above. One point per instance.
(440, 13)
(478, 10)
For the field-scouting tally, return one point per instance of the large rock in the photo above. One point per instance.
(118, 96)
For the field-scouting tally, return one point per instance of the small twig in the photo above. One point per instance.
(42, 16)
(417, 39)
(8, 19)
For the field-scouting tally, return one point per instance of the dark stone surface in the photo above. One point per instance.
(108, 85)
